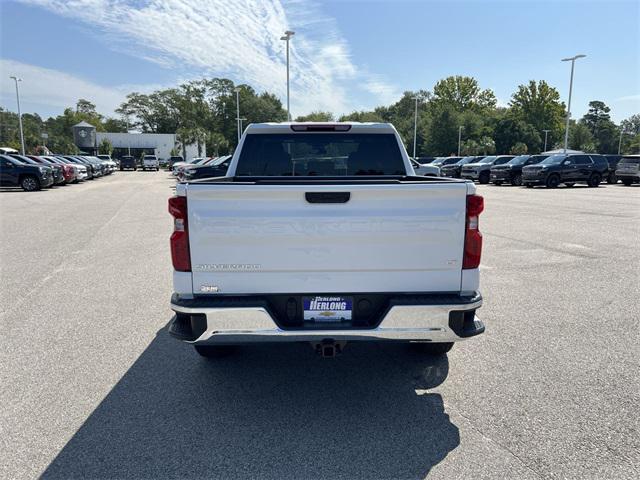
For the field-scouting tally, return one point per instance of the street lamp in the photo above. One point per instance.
(566, 131)
(546, 132)
(286, 37)
(237, 90)
(620, 141)
(242, 120)
(415, 126)
(459, 138)
(16, 79)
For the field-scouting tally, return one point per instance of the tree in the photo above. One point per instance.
(604, 131)
(105, 147)
(487, 145)
(317, 116)
(362, 116)
(470, 147)
(443, 132)
(463, 93)
(538, 104)
(631, 125)
(518, 149)
(580, 138)
(510, 131)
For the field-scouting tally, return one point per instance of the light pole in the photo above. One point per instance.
(566, 130)
(16, 79)
(459, 138)
(237, 90)
(128, 137)
(286, 37)
(546, 132)
(620, 141)
(415, 127)
(241, 120)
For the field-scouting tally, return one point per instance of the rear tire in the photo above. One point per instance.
(516, 180)
(214, 351)
(432, 349)
(553, 181)
(484, 178)
(29, 183)
(594, 180)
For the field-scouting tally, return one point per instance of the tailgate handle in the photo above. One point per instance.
(327, 197)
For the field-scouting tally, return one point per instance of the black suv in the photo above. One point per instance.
(128, 162)
(216, 168)
(14, 173)
(511, 172)
(568, 169)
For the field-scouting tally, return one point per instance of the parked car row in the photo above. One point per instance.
(531, 170)
(203, 168)
(34, 172)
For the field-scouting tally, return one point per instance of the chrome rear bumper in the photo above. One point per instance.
(434, 322)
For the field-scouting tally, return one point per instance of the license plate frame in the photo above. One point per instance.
(327, 308)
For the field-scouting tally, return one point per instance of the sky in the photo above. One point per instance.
(346, 55)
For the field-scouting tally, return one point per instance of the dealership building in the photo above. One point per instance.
(88, 140)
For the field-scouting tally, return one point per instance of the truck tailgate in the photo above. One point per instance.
(252, 238)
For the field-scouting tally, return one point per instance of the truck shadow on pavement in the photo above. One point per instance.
(270, 412)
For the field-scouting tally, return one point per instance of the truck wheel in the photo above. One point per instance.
(611, 178)
(214, 351)
(516, 180)
(594, 180)
(484, 178)
(553, 181)
(429, 348)
(29, 183)
(627, 182)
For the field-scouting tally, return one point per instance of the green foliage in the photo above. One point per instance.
(105, 147)
(519, 149)
(361, 117)
(580, 138)
(463, 93)
(317, 116)
(539, 105)
(510, 131)
(443, 132)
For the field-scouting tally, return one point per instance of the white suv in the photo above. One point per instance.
(150, 162)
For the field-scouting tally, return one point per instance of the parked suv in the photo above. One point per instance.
(481, 170)
(58, 177)
(568, 169)
(453, 170)
(14, 173)
(172, 160)
(150, 162)
(511, 172)
(613, 161)
(628, 169)
(128, 162)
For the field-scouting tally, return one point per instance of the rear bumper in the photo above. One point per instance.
(444, 318)
(470, 175)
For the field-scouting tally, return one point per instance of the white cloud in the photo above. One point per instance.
(50, 90)
(239, 39)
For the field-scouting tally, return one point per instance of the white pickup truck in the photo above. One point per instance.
(322, 233)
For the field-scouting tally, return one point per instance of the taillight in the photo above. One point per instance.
(472, 235)
(180, 236)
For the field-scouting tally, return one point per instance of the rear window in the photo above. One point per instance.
(630, 161)
(324, 155)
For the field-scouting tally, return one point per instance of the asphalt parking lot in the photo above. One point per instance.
(93, 386)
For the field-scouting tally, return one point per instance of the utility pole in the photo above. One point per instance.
(16, 80)
(415, 127)
(546, 132)
(459, 138)
(286, 37)
(237, 90)
(566, 130)
(620, 141)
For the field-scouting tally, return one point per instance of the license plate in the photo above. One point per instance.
(327, 308)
